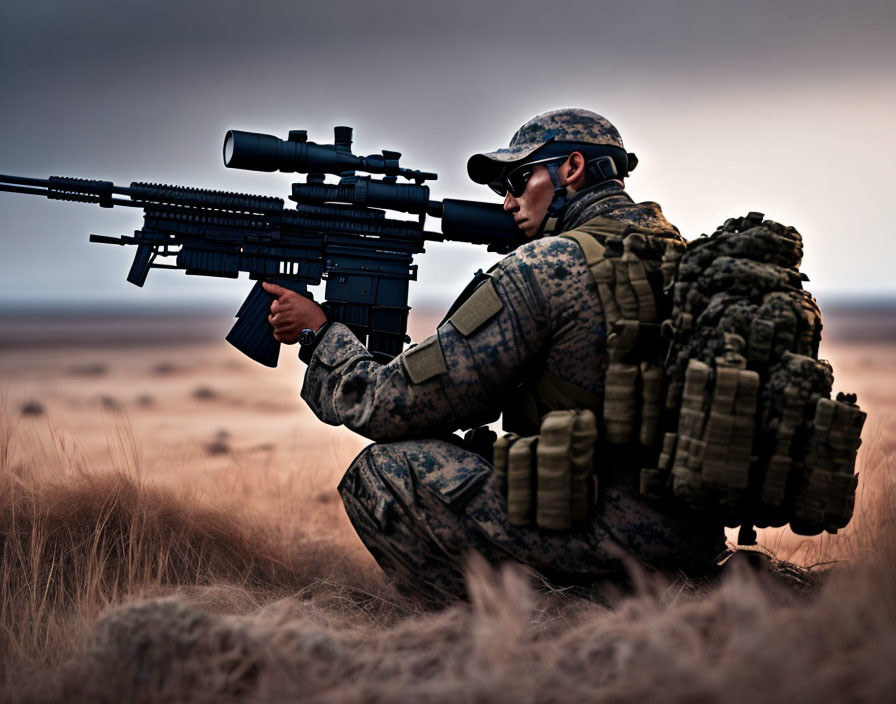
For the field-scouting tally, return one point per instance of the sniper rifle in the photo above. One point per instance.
(337, 232)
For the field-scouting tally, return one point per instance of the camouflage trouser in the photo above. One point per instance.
(421, 506)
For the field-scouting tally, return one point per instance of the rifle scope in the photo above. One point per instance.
(264, 152)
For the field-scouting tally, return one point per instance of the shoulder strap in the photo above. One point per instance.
(601, 272)
(622, 283)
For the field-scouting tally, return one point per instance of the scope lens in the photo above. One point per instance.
(228, 148)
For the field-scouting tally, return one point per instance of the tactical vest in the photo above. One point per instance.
(714, 399)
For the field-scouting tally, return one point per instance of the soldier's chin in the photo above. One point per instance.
(527, 228)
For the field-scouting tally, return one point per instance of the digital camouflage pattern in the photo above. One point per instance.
(566, 125)
(422, 506)
(439, 499)
(609, 200)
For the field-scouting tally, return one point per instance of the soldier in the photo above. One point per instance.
(530, 338)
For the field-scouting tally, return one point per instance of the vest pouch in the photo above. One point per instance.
(548, 478)
(554, 477)
(499, 459)
(689, 445)
(826, 497)
(520, 481)
(717, 427)
(797, 444)
(651, 404)
(729, 431)
(564, 460)
(621, 397)
(581, 458)
(777, 474)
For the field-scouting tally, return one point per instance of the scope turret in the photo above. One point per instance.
(264, 152)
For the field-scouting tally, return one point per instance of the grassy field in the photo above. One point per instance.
(171, 532)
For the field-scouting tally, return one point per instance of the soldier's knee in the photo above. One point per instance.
(373, 481)
(356, 482)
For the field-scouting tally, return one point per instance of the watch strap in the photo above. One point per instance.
(306, 351)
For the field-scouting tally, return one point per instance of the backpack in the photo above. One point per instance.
(714, 391)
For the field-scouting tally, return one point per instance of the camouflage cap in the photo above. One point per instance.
(566, 125)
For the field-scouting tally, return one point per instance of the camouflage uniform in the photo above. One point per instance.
(420, 504)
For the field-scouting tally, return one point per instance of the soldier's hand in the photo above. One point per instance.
(291, 313)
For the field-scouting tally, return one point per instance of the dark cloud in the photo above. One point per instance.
(183, 38)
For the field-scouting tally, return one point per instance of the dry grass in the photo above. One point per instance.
(116, 590)
(74, 542)
(121, 582)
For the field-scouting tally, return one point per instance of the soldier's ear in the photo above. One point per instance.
(577, 175)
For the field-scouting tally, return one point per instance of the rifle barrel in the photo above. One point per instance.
(24, 181)
(23, 189)
(40, 189)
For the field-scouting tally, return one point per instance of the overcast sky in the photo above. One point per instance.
(783, 107)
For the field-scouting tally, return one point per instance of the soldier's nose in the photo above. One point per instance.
(510, 203)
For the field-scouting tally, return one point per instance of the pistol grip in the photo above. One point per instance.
(252, 334)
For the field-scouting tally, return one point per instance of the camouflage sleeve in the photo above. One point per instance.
(455, 379)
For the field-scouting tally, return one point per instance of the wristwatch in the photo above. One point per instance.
(309, 340)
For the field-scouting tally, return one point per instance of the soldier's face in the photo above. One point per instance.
(530, 208)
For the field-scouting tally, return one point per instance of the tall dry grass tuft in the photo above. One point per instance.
(73, 543)
(89, 542)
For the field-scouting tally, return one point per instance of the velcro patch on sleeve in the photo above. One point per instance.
(477, 310)
(425, 361)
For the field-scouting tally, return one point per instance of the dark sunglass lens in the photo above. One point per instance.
(517, 180)
(499, 188)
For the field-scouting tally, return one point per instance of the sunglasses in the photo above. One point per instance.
(515, 181)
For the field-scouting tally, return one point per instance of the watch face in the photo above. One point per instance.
(306, 337)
